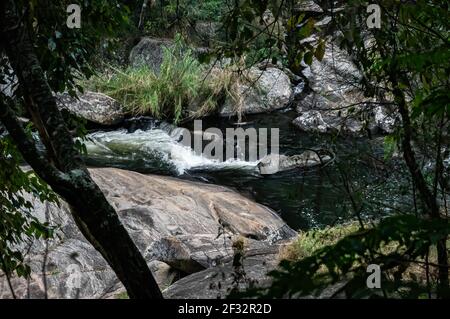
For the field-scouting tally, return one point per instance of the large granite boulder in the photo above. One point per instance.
(149, 52)
(336, 102)
(260, 91)
(204, 32)
(92, 106)
(179, 226)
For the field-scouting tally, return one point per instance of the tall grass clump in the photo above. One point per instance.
(183, 87)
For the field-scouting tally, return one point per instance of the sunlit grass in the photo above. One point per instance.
(183, 87)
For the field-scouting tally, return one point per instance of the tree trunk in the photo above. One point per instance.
(426, 194)
(68, 177)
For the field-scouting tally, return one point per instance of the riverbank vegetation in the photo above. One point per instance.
(182, 88)
(351, 238)
(402, 66)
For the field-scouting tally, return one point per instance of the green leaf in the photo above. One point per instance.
(320, 50)
(306, 30)
(308, 58)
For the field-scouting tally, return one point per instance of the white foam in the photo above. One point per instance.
(157, 141)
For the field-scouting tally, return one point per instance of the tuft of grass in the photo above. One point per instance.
(122, 295)
(183, 88)
(310, 241)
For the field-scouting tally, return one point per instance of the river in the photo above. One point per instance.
(359, 182)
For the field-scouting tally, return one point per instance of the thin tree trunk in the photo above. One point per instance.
(145, 4)
(419, 181)
(68, 177)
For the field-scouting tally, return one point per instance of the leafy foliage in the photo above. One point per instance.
(182, 15)
(270, 31)
(17, 226)
(393, 243)
(63, 52)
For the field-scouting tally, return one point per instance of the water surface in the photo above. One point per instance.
(304, 198)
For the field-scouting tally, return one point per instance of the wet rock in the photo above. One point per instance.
(274, 163)
(311, 121)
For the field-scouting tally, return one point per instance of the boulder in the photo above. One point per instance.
(149, 51)
(204, 31)
(311, 121)
(319, 115)
(274, 163)
(191, 254)
(172, 251)
(385, 119)
(92, 106)
(163, 273)
(336, 102)
(217, 282)
(179, 226)
(335, 76)
(263, 91)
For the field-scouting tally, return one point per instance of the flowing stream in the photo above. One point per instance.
(304, 198)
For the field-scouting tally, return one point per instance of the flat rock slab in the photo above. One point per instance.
(179, 226)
